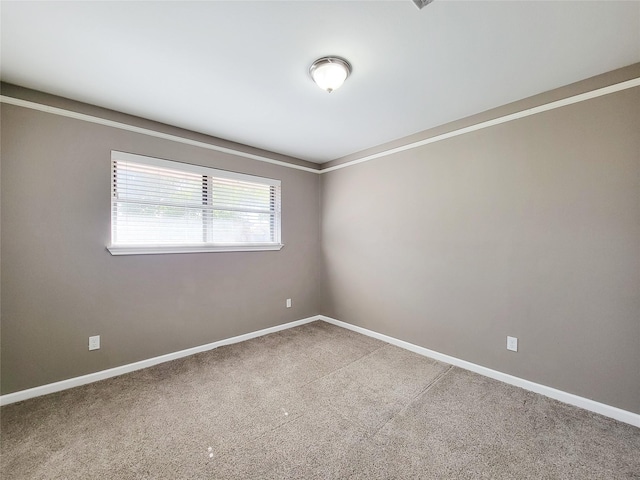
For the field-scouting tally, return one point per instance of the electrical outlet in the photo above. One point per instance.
(94, 342)
(512, 344)
(288, 303)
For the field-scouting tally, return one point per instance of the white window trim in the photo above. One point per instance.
(160, 249)
(168, 249)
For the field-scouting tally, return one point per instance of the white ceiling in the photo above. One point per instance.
(239, 70)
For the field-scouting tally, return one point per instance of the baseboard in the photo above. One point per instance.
(131, 367)
(585, 403)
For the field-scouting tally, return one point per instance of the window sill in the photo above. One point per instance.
(163, 249)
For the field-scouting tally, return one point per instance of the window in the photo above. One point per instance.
(160, 206)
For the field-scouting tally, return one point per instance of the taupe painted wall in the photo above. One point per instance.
(529, 229)
(60, 285)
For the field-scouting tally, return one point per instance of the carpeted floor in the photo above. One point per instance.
(316, 401)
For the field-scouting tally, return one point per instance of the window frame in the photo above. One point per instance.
(150, 249)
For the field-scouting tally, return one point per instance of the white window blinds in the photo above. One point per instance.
(159, 206)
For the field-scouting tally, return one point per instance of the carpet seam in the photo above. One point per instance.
(431, 384)
(329, 406)
(332, 372)
(411, 400)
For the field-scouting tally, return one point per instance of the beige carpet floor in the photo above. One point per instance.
(316, 401)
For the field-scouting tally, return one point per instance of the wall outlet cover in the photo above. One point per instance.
(94, 342)
(512, 344)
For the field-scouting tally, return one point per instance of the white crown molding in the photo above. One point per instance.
(132, 367)
(146, 131)
(461, 131)
(496, 121)
(565, 397)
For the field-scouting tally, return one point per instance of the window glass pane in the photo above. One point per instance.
(233, 194)
(241, 227)
(150, 184)
(157, 224)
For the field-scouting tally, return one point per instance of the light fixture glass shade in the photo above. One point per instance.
(330, 73)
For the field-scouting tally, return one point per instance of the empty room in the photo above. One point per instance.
(320, 239)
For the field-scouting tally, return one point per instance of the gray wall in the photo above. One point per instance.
(529, 229)
(60, 285)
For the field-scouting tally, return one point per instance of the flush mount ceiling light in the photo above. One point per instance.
(329, 73)
(422, 3)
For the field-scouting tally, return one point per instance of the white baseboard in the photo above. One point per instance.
(131, 367)
(591, 405)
